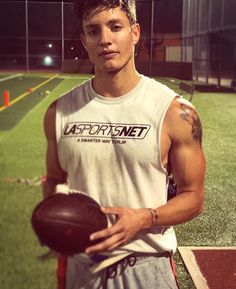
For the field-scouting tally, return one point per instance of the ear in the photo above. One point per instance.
(83, 40)
(136, 33)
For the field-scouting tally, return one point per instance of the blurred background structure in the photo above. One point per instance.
(185, 39)
(209, 40)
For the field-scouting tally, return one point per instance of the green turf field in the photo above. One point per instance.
(27, 91)
(22, 149)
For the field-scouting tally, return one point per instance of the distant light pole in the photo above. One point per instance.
(151, 36)
(62, 35)
(26, 35)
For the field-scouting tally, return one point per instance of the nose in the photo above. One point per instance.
(105, 37)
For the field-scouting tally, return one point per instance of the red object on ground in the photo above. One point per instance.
(6, 97)
(61, 272)
(30, 89)
(43, 179)
(218, 267)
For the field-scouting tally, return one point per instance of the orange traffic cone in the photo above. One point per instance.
(6, 96)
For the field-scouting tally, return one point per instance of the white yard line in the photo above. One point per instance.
(74, 77)
(10, 77)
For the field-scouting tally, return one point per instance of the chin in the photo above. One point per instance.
(115, 67)
(111, 68)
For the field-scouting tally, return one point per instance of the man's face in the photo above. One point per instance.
(110, 39)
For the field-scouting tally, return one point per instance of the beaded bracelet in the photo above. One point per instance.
(154, 217)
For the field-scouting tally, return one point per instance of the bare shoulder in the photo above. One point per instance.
(51, 111)
(49, 120)
(183, 122)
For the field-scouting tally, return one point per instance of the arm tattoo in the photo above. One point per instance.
(192, 118)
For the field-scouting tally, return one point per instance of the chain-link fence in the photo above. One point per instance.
(180, 38)
(36, 35)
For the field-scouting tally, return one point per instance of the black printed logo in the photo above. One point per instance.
(105, 130)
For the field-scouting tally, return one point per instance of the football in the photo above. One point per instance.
(64, 222)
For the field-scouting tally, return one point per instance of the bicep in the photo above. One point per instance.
(186, 154)
(188, 167)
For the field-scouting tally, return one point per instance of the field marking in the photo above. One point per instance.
(192, 266)
(193, 269)
(208, 248)
(74, 77)
(10, 77)
(28, 92)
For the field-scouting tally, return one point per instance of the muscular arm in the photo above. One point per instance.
(55, 174)
(187, 164)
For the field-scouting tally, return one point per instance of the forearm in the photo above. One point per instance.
(180, 209)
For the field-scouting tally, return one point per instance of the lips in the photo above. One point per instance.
(108, 53)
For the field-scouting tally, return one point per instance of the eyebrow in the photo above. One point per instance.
(110, 22)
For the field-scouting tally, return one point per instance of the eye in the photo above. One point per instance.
(116, 27)
(92, 32)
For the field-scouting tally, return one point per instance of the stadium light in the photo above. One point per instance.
(48, 60)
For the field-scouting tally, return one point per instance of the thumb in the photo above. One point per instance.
(111, 210)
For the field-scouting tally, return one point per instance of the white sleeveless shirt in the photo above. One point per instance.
(110, 148)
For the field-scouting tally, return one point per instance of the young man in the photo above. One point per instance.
(113, 137)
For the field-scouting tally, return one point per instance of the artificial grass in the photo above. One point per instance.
(22, 156)
(216, 226)
(18, 85)
(14, 113)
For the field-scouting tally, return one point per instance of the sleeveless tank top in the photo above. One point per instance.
(110, 148)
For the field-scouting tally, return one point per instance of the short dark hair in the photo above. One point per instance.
(83, 7)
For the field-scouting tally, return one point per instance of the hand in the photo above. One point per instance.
(129, 223)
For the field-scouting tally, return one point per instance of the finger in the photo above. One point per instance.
(94, 250)
(112, 210)
(106, 245)
(105, 233)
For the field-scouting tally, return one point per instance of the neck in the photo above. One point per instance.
(115, 84)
